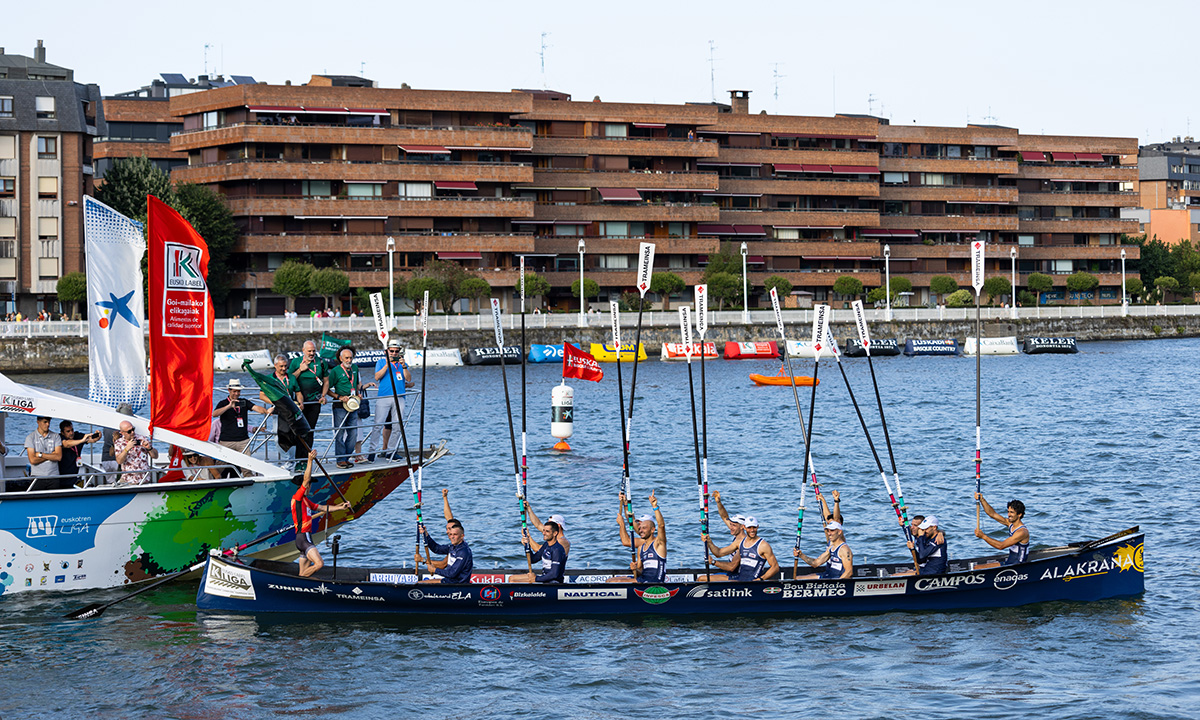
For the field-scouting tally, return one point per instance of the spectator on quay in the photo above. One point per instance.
(44, 450)
(134, 453)
(234, 415)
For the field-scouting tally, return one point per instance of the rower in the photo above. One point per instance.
(756, 560)
(929, 543)
(650, 565)
(302, 518)
(556, 518)
(456, 568)
(837, 558)
(552, 555)
(1017, 542)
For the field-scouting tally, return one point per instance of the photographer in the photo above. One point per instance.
(134, 453)
(72, 449)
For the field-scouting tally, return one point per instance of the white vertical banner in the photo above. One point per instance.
(116, 307)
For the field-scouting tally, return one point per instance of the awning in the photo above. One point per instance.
(1032, 156)
(366, 111)
(454, 185)
(755, 260)
(443, 255)
(785, 167)
(1089, 157)
(623, 194)
(822, 136)
(497, 149)
(808, 227)
(884, 232)
(708, 229)
(650, 126)
(854, 170)
(1063, 156)
(749, 230)
(718, 163)
(835, 257)
(726, 132)
(326, 110)
(424, 149)
(276, 108)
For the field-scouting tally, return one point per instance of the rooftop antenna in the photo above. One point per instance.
(362, 68)
(712, 69)
(834, 94)
(870, 104)
(206, 47)
(990, 118)
(542, 55)
(777, 76)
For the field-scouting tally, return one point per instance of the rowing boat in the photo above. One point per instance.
(1111, 567)
(797, 380)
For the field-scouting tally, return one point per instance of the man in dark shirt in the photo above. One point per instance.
(456, 568)
(72, 445)
(234, 414)
(551, 555)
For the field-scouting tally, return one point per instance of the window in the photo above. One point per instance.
(616, 130)
(47, 148)
(613, 262)
(8, 248)
(932, 179)
(677, 229)
(1062, 267)
(8, 228)
(787, 233)
(8, 147)
(316, 188)
(47, 227)
(569, 230)
(416, 190)
(47, 187)
(895, 149)
(44, 107)
(6, 106)
(1025, 240)
(614, 229)
(8, 187)
(895, 178)
(364, 190)
(953, 151)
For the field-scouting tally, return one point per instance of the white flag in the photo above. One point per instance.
(114, 246)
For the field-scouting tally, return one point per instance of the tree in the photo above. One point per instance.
(664, 285)
(329, 283)
(129, 181)
(535, 285)
(475, 289)
(876, 295)
(590, 288)
(630, 301)
(1134, 286)
(1155, 260)
(783, 286)
(293, 279)
(1164, 284)
(724, 287)
(1027, 298)
(900, 285)
(1194, 281)
(1185, 260)
(847, 286)
(1082, 282)
(415, 290)
(205, 209)
(1039, 283)
(451, 275)
(997, 285)
(942, 285)
(727, 260)
(960, 298)
(72, 288)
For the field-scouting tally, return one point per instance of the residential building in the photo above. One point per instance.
(47, 126)
(1169, 189)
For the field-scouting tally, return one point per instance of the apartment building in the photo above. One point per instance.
(47, 126)
(330, 170)
(1169, 190)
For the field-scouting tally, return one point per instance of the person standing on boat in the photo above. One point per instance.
(286, 437)
(344, 384)
(837, 558)
(44, 450)
(134, 453)
(456, 568)
(234, 415)
(313, 380)
(72, 448)
(756, 560)
(303, 516)
(651, 543)
(1017, 542)
(389, 371)
(551, 554)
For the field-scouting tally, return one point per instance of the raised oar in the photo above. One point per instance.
(685, 335)
(645, 270)
(977, 283)
(819, 319)
(97, 609)
(799, 527)
(615, 312)
(420, 483)
(874, 453)
(787, 359)
(702, 327)
(524, 389)
(512, 436)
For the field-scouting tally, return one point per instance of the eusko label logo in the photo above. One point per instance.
(183, 267)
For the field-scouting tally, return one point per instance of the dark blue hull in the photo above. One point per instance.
(1110, 569)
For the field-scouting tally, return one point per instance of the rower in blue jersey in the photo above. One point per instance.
(552, 556)
(837, 562)
(756, 560)
(929, 544)
(650, 565)
(456, 568)
(1017, 542)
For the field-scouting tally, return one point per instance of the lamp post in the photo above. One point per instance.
(254, 307)
(1012, 253)
(582, 292)
(1124, 297)
(887, 280)
(745, 289)
(391, 248)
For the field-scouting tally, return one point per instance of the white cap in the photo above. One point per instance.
(750, 521)
(394, 343)
(833, 525)
(645, 518)
(738, 519)
(558, 520)
(234, 384)
(928, 522)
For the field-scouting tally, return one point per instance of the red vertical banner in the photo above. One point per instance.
(181, 324)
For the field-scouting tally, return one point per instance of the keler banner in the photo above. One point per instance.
(579, 364)
(181, 325)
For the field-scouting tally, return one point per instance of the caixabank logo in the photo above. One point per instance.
(183, 268)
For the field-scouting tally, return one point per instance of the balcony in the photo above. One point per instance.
(817, 218)
(379, 207)
(1105, 173)
(641, 180)
(377, 242)
(455, 137)
(949, 223)
(808, 248)
(627, 147)
(949, 193)
(833, 187)
(824, 278)
(770, 156)
(1084, 199)
(633, 211)
(248, 170)
(1079, 225)
(569, 245)
(984, 166)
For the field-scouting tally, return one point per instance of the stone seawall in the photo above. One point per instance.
(69, 354)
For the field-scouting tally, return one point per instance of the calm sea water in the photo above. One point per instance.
(1092, 443)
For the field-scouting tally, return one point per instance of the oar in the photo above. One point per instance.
(615, 312)
(524, 389)
(419, 485)
(819, 319)
(685, 334)
(977, 283)
(702, 327)
(645, 270)
(864, 337)
(870, 443)
(97, 609)
(382, 332)
(787, 358)
(799, 527)
(512, 436)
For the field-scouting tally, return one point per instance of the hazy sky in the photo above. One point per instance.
(1078, 68)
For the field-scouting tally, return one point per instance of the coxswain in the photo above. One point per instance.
(303, 517)
(650, 563)
(1017, 542)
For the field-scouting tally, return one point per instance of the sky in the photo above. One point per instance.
(1054, 67)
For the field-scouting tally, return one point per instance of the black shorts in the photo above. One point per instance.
(304, 542)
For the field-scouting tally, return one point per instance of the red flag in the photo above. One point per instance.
(578, 364)
(181, 325)
(173, 466)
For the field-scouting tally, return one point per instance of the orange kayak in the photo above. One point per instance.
(800, 380)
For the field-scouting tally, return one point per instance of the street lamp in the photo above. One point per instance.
(582, 293)
(391, 248)
(1012, 301)
(887, 275)
(745, 289)
(1124, 297)
(254, 308)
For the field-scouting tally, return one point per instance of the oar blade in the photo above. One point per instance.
(498, 327)
(685, 330)
(424, 323)
(702, 311)
(645, 267)
(778, 316)
(614, 309)
(860, 322)
(820, 328)
(977, 266)
(380, 317)
(88, 611)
